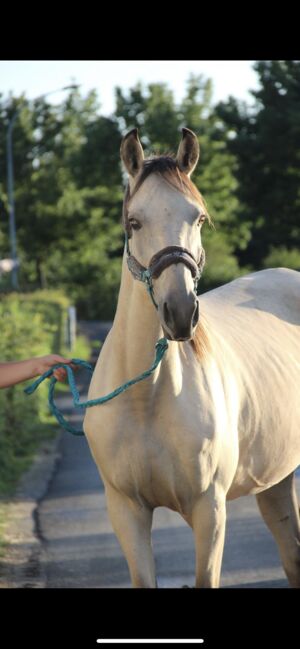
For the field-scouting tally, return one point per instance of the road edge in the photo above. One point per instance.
(22, 565)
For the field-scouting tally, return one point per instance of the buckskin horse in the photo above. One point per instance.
(220, 416)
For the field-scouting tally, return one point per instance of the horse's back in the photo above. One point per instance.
(255, 308)
(276, 290)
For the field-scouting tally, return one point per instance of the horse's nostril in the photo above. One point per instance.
(166, 314)
(173, 317)
(196, 314)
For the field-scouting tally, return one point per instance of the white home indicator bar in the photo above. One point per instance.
(148, 641)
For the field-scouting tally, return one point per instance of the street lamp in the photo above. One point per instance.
(10, 187)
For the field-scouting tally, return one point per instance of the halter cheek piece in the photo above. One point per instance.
(161, 260)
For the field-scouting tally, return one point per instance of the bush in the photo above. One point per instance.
(221, 265)
(33, 324)
(282, 258)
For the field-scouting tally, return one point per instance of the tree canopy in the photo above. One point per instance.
(69, 181)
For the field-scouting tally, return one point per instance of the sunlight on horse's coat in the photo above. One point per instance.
(220, 417)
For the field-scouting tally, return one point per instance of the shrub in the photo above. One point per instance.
(282, 257)
(33, 324)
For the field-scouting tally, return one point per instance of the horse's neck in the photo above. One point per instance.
(136, 328)
(129, 349)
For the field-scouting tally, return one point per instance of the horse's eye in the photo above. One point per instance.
(201, 219)
(135, 224)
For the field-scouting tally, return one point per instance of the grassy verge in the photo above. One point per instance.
(31, 325)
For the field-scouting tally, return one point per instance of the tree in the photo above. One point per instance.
(153, 110)
(59, 179)
(68, 186)
(266, 143)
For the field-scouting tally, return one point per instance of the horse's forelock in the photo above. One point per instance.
(167, 167)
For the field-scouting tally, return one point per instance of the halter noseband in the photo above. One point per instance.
(160, 260)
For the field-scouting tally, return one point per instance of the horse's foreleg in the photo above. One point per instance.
(132, 524)
(280, 510)
(208, 522)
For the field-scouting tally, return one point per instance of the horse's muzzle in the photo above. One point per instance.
(179, 322)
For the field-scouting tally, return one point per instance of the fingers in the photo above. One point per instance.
(60, 374)
(61, 359)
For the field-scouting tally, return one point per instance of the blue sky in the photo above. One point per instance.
(37, 77)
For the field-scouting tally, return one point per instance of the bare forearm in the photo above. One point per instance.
(16, 372)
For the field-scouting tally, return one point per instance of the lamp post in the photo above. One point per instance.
(10, 187)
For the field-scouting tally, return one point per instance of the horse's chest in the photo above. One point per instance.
(157, 465)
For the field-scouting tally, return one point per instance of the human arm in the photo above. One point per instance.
(18, 371)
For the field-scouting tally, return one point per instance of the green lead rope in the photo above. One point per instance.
(160, 347)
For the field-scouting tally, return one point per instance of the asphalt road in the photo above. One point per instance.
(81, 550)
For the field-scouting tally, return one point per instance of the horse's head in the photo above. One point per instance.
(163, 214)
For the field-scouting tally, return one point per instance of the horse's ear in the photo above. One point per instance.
(132, 154)
(188, 152)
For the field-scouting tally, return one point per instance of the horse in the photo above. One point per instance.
(220, 416)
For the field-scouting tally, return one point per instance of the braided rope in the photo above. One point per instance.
(160, 347)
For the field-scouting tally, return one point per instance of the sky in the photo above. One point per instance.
(38, 77)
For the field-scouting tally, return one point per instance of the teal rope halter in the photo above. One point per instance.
(140, 272)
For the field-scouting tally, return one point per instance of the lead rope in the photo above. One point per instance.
(160, 347)
(144, 275)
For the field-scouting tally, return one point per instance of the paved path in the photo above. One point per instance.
(81, 551)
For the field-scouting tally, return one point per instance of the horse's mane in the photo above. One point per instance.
(200, 343)
(166, 166)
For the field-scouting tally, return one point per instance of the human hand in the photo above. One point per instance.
(44, 363)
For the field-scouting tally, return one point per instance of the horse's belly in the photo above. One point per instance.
(268, 453)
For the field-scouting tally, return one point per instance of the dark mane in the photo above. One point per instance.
(166, 166)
